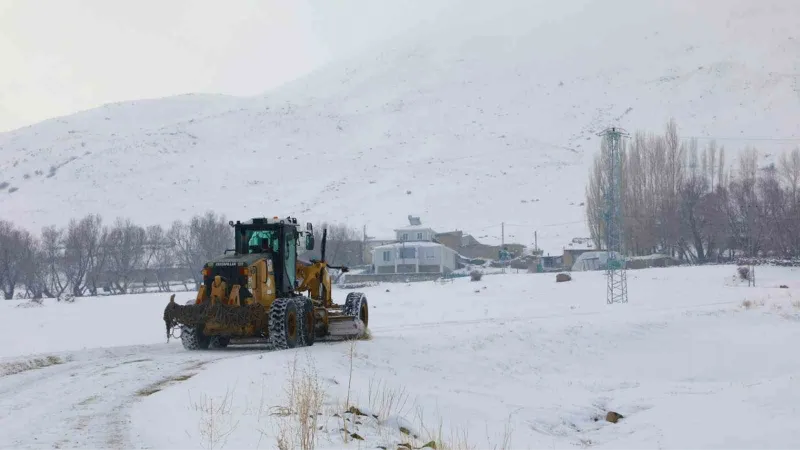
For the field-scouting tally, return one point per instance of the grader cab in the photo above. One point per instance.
(262, 293)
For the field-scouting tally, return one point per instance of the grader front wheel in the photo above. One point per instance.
(285, 324)
(356, 305)
(306, 306)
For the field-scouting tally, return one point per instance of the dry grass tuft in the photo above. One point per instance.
(427, 437)
(385, 401)
(298, 418)
(216, 420)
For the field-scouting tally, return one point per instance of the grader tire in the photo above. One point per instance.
(285, 324)
(356, 305)
(308, 322)
(193, 338)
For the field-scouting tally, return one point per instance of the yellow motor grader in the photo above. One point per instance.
(262, 293)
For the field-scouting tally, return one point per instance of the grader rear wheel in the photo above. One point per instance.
(193, 338)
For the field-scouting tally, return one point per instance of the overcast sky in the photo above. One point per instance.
(60, 57)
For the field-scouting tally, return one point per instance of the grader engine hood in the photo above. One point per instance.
(231, 272)
(234, 269)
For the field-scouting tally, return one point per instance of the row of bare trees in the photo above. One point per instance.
(683, 200)
(88, 257)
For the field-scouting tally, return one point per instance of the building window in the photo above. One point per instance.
(427, 253)
(407, 252)
(405, 236)
(419, 236)
(387, 255)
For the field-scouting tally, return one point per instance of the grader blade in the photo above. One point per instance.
(345, 327)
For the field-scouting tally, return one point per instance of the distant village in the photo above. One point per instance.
(419, 253)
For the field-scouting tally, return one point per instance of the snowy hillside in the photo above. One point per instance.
(487, 115)
(695, 360)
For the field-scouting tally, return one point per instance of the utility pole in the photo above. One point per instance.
(363, 244)
(617, 286)
(503, 244)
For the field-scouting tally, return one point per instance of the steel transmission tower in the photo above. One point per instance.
(617, 290)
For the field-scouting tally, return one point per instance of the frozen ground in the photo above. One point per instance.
(695, 360)
(486, 96)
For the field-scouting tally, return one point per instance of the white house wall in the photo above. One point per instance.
(427, 254)
(412, 234)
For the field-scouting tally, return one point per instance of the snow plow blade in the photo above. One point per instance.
(345, 327)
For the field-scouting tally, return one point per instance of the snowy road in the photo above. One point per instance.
(543, 358)
(84, 401)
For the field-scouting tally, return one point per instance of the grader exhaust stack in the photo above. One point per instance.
(264, 293)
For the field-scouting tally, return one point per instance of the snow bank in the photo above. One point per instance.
(90, 322)
(518, 356)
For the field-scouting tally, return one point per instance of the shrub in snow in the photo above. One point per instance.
(744, 272)
(475, 275)
(32, 303)
(560, 278)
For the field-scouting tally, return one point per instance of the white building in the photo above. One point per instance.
(414, 252)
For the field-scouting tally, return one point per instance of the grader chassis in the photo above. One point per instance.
(262, 293)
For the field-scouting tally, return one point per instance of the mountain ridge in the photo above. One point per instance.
(486, 118)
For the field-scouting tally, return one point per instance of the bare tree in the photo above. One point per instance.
(125, 252)
(596, 190)
(82, 254)
(743, 207)
(202, 239)
(161, 256)
(344, 244)
(790, 172)
(34, 269)
(56, 282)
(13, 245)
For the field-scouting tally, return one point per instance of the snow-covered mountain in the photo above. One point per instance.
(485, 115)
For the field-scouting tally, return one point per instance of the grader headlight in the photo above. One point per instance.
(245, 271)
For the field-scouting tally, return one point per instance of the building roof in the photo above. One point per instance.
(580, 244)
(414, 228)
(409, 244)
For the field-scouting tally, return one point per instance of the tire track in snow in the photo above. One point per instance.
(84, 403)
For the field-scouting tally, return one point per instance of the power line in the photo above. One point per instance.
(743, 138)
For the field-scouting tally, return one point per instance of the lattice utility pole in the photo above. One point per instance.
(617, 289)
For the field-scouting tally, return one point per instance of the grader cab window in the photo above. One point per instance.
(262, 241)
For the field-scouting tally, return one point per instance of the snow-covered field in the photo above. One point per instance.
(485, 97)
(696, 359)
